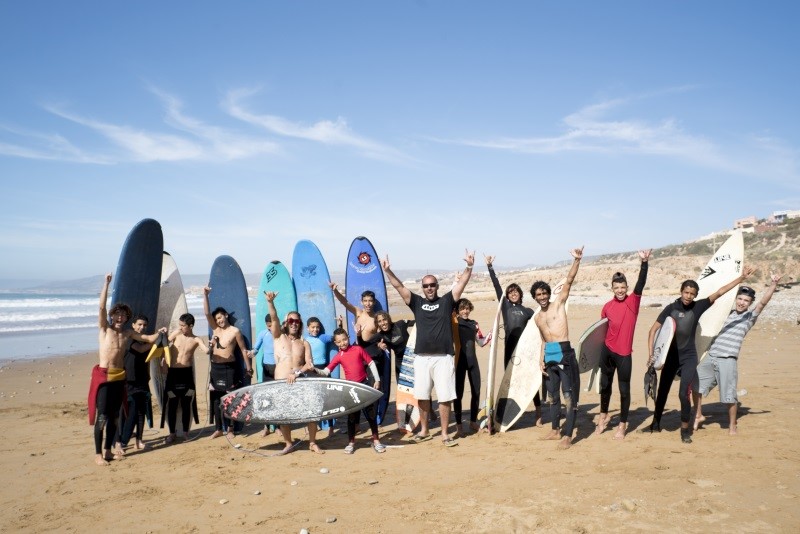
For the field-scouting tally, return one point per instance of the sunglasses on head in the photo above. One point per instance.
(427, 286)
(292, 320)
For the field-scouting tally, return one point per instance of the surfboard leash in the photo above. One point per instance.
(257, 452)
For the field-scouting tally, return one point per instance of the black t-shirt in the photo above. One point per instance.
(434, 323)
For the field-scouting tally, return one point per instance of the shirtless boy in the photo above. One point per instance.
(180, 388)
(292, 358)
(558, 359)
(107, 389)
(224, 371)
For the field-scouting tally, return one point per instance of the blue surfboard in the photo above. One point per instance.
(274, 278)
(229, 291)
(137, 281)
(364, 273)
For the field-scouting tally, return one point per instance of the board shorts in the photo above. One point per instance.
(715, 371)
(434, 371)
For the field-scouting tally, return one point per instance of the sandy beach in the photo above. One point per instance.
(512, 482)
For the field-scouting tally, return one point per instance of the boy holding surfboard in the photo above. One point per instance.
(682, 355)
(720, 366)
(222, 350)
(107, 389)
(180, 390)
(558, 359)
(621, 312)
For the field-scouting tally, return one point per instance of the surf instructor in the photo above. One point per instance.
(433, 365)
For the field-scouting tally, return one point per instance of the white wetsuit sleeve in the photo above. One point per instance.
(374, 370)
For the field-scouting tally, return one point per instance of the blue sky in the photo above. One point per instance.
(520, 129)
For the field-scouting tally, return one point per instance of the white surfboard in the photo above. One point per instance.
(590, 348)
(523, 376)
(662, 342)
(723, 267)
(488, 410)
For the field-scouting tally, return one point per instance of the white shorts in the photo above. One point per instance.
(434, 371)
(714, 371)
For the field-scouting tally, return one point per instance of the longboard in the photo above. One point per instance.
(407, 406)
(662, 342)
(274, 278)
(488, 410)
(171, 305)
(723, 267)
(523, 376)
(363, 273)
(137, 279)
(307, 400)
(229, 290)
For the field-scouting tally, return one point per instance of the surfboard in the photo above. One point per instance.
(307, 400)
(590, 346)
(523, 376)
(723, 267)
(662, 342)
(274, 278)
(229, 290)
(314, 295)
(364, 273)
(171, 305)
(137, 280)
(407, 406)
(488, 410)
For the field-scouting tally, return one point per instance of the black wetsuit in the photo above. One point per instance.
(108, 403)
(565, 375)
(396, 339)
(623, 363)
(467, 367)
(515, 319)
(179, 391)
(682, 356)
(225, 377)
(137, 374)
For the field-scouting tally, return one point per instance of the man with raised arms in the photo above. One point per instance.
(180, 388)
(107, 388)
(558, 359)
(292, 359)
(433, 365)
(225, 375)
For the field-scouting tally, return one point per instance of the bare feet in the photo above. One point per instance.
(538, 415)
(266, 432)
(698, 420)
(602, 422)
(286, 449)
(565, 443)
(732, 431)
(313, 447)
(621, 429)
(118, 450)
(216, 434)
(553, 435)
(141, 445)
(170, 439)
(474, 426)
(99, 460)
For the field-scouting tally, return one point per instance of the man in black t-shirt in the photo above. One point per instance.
(433, 364)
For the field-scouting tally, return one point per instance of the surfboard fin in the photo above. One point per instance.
(650, 384)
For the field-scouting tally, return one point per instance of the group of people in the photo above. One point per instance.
(444, 335)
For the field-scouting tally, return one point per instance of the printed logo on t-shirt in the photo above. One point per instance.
(430, 307)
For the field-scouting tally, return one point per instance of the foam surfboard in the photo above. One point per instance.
(407, 406)
(137, 278)
(523, 376)
(364, 273)
(275, 278)
(723, 267)
(229, 290)
(662, 342)
(307, 400)
(488, 410)
(171, 305)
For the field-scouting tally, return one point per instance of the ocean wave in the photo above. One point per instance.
(47, 303)
(21, 317)
(46, 326)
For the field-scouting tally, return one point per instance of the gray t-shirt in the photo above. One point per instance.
(729, 341)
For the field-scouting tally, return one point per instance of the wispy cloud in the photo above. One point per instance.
(43, 146)
(326, 132)
(595, 129)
